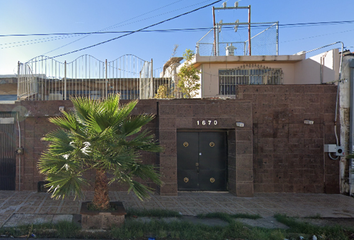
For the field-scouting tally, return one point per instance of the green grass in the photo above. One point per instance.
(326, 232)
(60, 230)
(160, 213)
(228, 217)
(246, 215)
(185, 230)
(188, 231)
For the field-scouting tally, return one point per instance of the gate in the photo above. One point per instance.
(7, 151)
(202, 161)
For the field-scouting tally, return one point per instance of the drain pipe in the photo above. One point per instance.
(351, 127)
(19, 155)
(337, 96)
(351, 179)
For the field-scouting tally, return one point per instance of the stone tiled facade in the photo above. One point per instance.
(185, 114)
(288, 155)
(274, 151)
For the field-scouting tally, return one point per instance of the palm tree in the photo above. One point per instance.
(101, 136)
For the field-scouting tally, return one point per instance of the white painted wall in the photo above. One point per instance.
(322, 68)
(210, 74)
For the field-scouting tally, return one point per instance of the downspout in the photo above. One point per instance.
(351, 127)
(351, 103)
(19, 155)
(339, 80)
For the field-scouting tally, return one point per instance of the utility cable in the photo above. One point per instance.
(31, 42)
(105, 29)
(49, 39)
(68, 35)
(28, 41)
(120, 24)
(178, 29)
(139, 30)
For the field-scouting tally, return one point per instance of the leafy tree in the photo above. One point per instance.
(188, 82)
(101, 136)
(163, 92)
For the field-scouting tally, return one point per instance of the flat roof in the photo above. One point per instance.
(198, 60)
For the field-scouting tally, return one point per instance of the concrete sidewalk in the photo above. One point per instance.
(20, 207)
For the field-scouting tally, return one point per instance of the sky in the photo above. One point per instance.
(83, 16)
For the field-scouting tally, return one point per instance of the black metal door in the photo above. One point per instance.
(202, 161)
(7, 152)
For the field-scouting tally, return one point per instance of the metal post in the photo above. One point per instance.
(18, 79)
(152, 80)
(19, 156)
(277, 39)
(249, 30)
(106, 82)
(214, 31)
(65, 80)
(140, 85)
(217, 40)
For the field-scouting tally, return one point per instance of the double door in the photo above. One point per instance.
(202, 161)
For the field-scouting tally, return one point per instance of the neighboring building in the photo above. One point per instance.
(219, 75)
(8, 88)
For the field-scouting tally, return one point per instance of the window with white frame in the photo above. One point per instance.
(246, 75)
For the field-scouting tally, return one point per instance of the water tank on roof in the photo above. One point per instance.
(230, 50)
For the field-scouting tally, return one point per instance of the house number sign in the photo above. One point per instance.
(207, 122)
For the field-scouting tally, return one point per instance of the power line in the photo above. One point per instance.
(321, 35)
(67, 35)
(120, 24)
(104, 29)
(178, 29)
(139, 30)
(31, 42)
(110, 32)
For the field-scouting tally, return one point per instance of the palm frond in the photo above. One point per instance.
(83, 107)
(49, 163)
(134, 124)
(99, 134)
(146, 172)
(145, 142)
(140, 190)
(65, 184)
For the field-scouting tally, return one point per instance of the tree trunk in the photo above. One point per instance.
(101, 199)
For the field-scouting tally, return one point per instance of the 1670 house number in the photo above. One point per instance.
(207, 122)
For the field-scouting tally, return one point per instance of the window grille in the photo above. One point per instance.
(246, 75)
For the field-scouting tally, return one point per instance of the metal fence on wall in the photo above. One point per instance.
(263, 42)
(44, 78)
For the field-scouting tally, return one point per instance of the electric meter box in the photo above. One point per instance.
(333, 148)
(330, 148)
